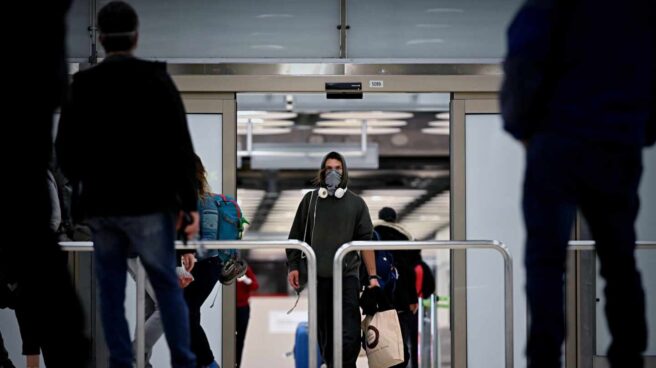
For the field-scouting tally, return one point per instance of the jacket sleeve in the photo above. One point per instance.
(183, 158)
(408, 280)
(364, 229)
(254, 285)
(527, 67)
(297, 232)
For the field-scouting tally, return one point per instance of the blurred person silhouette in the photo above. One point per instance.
(136, 189)
(584, 115)
(29, 254)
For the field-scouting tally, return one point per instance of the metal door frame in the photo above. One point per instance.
(577, 292)
(223, 103)
(461, 105)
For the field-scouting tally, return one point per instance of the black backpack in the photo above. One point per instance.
(385, 269)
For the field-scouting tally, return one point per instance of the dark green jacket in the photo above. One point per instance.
(338, 221)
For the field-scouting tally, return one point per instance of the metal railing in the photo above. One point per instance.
(411, 245)
(590, 245)
(239, 244)
(585, 347)
(434, 348)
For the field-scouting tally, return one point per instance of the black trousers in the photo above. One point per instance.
(206, 274)
(413, 338)
(602, 180)
(243, 315)
(351, 320)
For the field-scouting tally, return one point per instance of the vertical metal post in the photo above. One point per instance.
(508, 303)
(458, 267)
(343, 27)
(437, 346)
(312, 317)
(249, 137)
(93, 36)
(433, 338)
(228, 186)
(363, 138)
(141, 315)
(420, 339)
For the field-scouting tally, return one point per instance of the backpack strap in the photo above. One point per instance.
(307, 220)
(226, 199)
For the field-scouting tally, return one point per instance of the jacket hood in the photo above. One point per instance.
(394, 226)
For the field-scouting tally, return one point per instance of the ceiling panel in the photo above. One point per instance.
(208, 29)
(429, 29)
(205, 30)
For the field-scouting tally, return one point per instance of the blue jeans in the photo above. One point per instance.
(151, 237)
(602, 180)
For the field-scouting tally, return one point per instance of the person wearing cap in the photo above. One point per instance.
(123, 135)
(326, 219)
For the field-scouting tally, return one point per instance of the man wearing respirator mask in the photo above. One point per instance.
(327, 218)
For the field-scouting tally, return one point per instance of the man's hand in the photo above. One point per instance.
(373, 282)
(414, 308)
(293, 278)
(185, 280)
(188, 261)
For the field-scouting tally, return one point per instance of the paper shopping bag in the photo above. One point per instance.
(383, 340)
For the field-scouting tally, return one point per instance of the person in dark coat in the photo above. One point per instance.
(405, 299)
(123, 136)
(584, 115)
